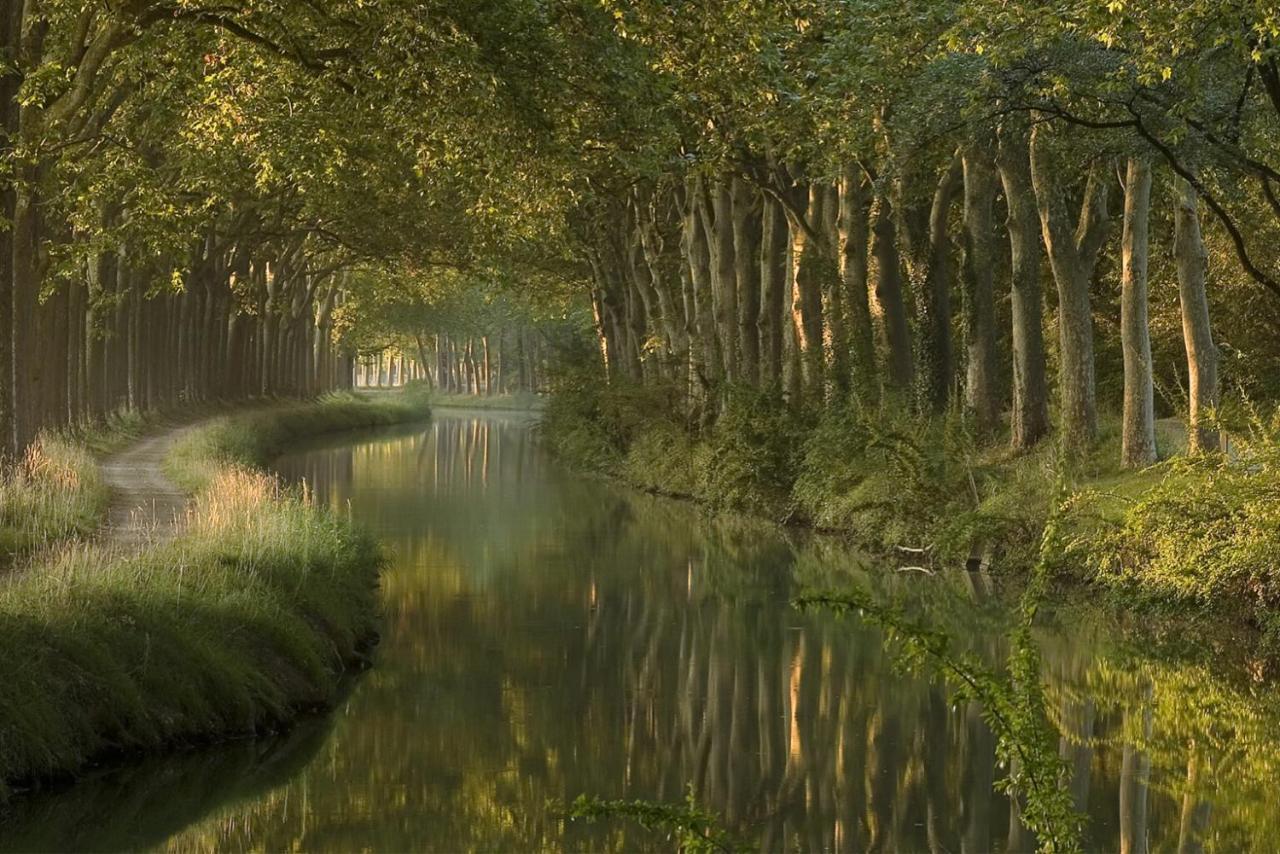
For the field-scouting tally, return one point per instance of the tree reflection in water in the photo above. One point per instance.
(548, 635)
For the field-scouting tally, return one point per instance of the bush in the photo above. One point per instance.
(752, 453)
(591, 422)
(661, 459)
(1207, 532)
(889, 476)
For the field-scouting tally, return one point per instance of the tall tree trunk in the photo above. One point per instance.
(1073, 253)
(746, 247)
(1138, 437)
(854, 235)
(889, 294)
(807, 274)
(982, 394)
(10, 80)
(1030, 417)
(26, 398)
(717, 220)
(928, 265)
(1202, 353)
(664, 274)
(708, 366)
(773, 277)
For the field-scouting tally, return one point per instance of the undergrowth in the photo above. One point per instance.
(1205, 532)
(885, 477)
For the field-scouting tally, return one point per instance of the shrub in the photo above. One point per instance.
(1206, 532)
(752, 453)
(661, 459)
(592, 422)
(887, 475)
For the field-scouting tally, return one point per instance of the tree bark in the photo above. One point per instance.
(982, 394)
(1073, 254)
(889, 294)
(854, 234)
(708, 369)
(928, 255)
(1138, 437)
(10, 81)
(747, 248)
(773, 276)
(1030, 416)
(717, 220)
(806, 277)
(1197, 334)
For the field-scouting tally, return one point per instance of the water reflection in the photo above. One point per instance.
(548, 635)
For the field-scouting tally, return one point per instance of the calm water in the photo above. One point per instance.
(548, 635)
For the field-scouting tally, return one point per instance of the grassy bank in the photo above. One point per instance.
(1193, 534)
(520, 401)
(248, 617)
(884, 478)
(56, 492)
(253, 438)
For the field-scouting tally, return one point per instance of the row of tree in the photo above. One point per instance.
(504, 363)
(935, 204)
(187, 193)
(944, 204)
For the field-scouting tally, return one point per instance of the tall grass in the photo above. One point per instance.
(253, 438)
(247, 617)
(250, 615)
(55, 492)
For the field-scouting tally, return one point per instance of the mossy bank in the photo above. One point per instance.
(249, 616)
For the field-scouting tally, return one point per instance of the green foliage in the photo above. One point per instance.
(593, 422)
(1206, 532)
(752, 454)
(889, 478)
(880, 471)
(689, 826)
(664, 459)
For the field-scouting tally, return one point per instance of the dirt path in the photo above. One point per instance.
(145, 505)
